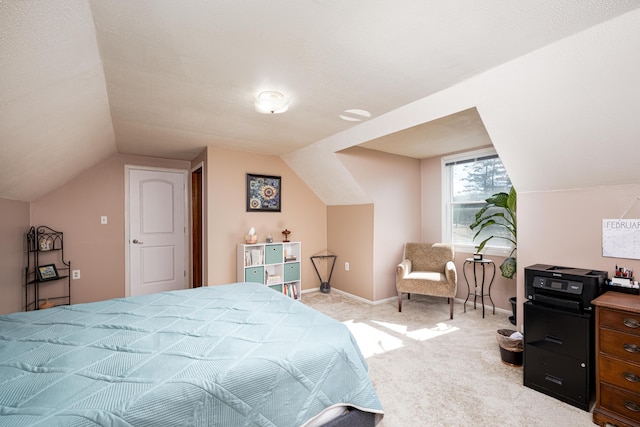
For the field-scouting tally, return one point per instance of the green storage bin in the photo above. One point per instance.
(277, 288)
(254, 274)
(273, 254)
(291, 271)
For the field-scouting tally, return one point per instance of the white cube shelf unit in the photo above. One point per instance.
(276, 265)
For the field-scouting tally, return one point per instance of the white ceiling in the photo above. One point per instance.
(456, 132)
(81, 80)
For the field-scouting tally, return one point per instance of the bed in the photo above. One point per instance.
(232, 355)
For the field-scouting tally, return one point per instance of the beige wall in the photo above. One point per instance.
(393, 184)
(75, 209)
(407, 206)
(431, 178)
(98, 250)
(302, 212)
(565, 228)
(13, 227)
(557, 227)
(350, 236)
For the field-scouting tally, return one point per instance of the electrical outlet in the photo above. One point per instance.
(346, 266)
(75, 274)
(103, 219)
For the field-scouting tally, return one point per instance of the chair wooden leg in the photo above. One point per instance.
(399, 301)
(451, 308)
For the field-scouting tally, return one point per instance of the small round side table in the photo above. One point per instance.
(484, 265)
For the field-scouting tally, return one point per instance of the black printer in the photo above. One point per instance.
(566, 288)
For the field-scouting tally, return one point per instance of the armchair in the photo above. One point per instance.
(427, 269)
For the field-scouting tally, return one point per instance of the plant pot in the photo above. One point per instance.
(514, 310)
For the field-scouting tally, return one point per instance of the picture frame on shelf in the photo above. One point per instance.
(45, 243)
(47, 272)
(264, 193)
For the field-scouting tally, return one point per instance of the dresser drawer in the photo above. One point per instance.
(620, 401)
(622, 374)
(620, 321)
(625, 346)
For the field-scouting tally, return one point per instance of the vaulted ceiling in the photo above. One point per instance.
(81, 80)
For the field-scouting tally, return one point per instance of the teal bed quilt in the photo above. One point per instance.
(232, 355)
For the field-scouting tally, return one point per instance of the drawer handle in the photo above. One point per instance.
(632, 406)
(631, 323)
(631, 377)
(553, 379)
(554, 340)
(631, 348)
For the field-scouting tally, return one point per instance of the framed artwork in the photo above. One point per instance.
(47, 272)
(46, 243)
(264, 193)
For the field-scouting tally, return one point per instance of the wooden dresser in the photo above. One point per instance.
(618, 359)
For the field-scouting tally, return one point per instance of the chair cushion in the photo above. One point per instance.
(426, 275)
(426, 287)
(427, 269)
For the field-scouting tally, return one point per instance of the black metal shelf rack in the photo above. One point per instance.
(46, 265)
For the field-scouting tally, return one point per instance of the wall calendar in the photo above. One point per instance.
(621, 238)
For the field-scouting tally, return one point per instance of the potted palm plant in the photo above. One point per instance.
(499, 214)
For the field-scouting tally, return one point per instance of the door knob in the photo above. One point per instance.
(137, 242)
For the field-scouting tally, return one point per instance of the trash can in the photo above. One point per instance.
(510, 343)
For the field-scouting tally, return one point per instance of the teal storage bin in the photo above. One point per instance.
(277, 288)
(254, 274)
(291, 271)
(273, 254)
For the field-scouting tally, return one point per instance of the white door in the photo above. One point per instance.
(156, 231)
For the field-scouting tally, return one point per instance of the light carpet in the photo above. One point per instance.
(429, 370)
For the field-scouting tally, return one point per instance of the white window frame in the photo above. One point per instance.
(446, 206)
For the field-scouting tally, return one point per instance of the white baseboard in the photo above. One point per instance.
(487, 307)
(352, 296)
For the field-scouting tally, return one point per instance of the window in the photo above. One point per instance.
(468, 179)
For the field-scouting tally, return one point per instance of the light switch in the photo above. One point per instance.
(103, 219)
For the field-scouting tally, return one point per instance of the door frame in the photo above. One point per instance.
(194, 261)
(187, 222)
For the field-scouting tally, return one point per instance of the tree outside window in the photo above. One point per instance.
(469, 180)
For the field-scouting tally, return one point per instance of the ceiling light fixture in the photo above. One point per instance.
(355, 115)
(271, 102)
